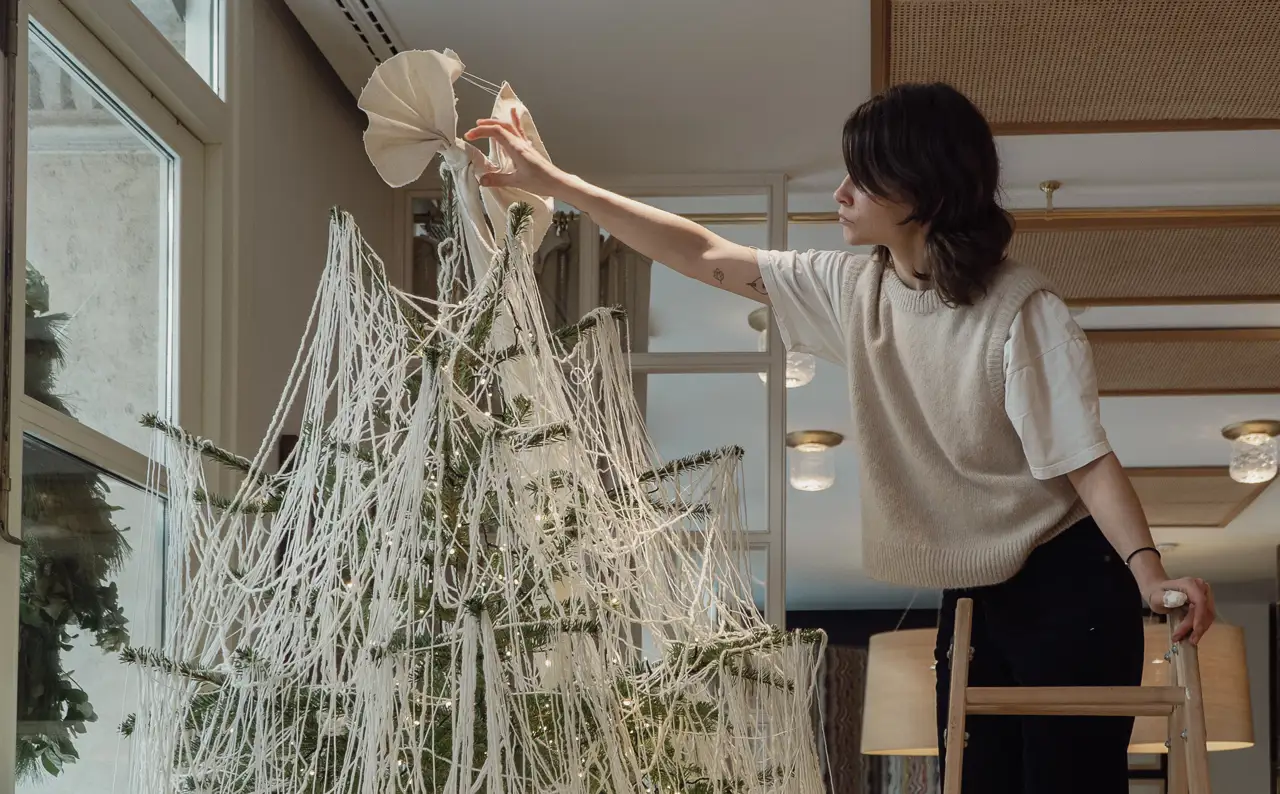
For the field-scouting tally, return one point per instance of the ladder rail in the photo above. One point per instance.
(1082, 701)
(1182, 703)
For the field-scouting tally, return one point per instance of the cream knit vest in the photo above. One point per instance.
(948, 499)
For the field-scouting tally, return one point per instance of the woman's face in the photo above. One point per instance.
(869, 220)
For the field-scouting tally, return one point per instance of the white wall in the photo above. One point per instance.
(302, 153)
(1248, 771)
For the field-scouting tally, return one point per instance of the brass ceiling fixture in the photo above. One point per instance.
(812, 466)
(1253, 449)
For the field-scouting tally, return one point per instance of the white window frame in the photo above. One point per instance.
(773, 361)
(186, 282)
(124, 53)
(126, 31)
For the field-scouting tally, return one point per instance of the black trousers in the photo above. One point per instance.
(1071, 617)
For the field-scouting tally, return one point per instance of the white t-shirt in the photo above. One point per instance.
(1051, 389)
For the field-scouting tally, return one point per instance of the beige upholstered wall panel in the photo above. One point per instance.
(1035, 65)
(1210, 361)
(1157, 265)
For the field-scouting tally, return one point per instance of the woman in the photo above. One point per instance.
(986, 471)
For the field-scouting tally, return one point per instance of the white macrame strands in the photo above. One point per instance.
(474, 575)
(433, 600)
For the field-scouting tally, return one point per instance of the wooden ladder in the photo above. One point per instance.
(1181, 703)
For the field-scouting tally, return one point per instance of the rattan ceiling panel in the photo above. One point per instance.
(1191, 497)
(1209, 361)
(1119, 266)
(1064, 65)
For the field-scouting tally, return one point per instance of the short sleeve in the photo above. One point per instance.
(1051, 389)
(805, 288)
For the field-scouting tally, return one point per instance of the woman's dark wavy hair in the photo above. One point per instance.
(927, 146)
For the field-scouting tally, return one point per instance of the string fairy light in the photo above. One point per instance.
(432, 659)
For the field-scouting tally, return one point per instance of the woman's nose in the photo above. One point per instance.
(843, 195)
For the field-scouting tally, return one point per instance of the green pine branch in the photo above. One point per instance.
(206, 448)
(155, 660)
(690, 463)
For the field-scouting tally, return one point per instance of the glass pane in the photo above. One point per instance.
(91, 579)
(688, 414)
(194, 28)
(671, 313)
(823, 527)
(99, 253)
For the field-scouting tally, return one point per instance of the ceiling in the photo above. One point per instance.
(757, 86)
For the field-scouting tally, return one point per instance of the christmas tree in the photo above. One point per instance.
(473, 574)
(71, 547)
(442, 591)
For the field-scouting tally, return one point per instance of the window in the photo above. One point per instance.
(703, 375)
(682, 315)
(91, 579)
(194, 28)
(100, 200)
(112, 330)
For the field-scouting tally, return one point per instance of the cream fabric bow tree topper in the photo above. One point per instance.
(413, 116)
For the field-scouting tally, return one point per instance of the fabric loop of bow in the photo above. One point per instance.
(413, 116)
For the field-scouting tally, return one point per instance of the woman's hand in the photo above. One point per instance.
(1200, 609)
(531, 172)
(1107, 492)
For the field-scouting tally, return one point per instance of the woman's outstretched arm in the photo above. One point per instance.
(676, 242)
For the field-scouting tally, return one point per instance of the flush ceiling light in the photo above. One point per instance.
(1253, 449)
(800, 366)
(812, 466)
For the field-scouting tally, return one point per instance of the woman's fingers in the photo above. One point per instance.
(1200, 609)
(1184, 627)
(485, 125)
(494, 130)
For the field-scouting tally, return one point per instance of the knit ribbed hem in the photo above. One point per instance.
(899, 560)
(916, 301)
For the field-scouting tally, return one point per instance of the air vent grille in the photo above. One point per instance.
(367, 23)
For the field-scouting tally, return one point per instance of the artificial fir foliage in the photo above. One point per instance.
(445, 588)
(71, 549)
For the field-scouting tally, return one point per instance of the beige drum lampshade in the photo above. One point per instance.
(1228, 714)
(898, 714)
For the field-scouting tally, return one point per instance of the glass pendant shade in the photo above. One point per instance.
(1254, 452)
(812, 465)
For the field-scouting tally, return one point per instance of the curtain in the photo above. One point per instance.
(624, 281)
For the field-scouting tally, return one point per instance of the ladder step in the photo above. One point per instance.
(1084, 701)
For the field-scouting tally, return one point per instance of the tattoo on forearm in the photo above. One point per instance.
(758, 286)
(718, 275)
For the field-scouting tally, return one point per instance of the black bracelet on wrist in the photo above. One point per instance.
(1136, 552)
